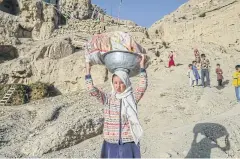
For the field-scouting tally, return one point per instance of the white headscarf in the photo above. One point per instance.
(129, 106)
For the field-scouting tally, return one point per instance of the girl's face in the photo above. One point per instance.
(118, 85)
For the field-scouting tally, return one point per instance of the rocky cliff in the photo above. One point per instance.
(202, 21)
(49, 51)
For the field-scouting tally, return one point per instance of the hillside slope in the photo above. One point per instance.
(178, 120)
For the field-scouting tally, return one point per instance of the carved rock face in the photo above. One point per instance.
(80, 9)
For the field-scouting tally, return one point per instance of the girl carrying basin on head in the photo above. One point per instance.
(122, 130)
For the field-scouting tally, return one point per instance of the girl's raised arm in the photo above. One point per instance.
(94, 91)
(142, 86)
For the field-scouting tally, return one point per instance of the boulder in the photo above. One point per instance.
(60, 49)
(46, 30)
(42, 127)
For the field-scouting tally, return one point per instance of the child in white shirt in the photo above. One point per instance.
(191, 76)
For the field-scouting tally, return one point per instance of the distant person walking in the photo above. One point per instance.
(195, 71)
(236, 82)
(196, 54)
(198, 65)
(171, 59)
(191, 75)
(219, 73)
(205, 66)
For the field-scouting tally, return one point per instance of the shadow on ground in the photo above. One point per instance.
(223, 85)
(179, 64)
(211, 132)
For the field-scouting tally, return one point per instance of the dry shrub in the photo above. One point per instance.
(202, 15)
(165, 44)
(38, 90)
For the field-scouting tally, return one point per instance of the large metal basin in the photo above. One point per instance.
(122, 60)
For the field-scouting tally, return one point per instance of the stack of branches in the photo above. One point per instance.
(3, 89)
(19, 95)
(26, 93)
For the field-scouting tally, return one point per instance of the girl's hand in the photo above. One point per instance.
(88, 68)
(142, 62)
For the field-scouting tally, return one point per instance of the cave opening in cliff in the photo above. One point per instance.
(8, 52)
(10, 6)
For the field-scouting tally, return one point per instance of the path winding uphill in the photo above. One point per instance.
(172, 109)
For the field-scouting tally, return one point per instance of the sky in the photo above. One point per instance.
(142, 12)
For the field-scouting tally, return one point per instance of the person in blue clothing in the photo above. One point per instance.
(195, 72)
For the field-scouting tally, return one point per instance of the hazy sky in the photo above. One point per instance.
(143, 12)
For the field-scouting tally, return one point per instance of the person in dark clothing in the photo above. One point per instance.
(205, 66)
(219, 73)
